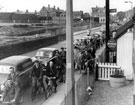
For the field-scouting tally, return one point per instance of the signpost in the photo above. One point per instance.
(113, 10)
(111, 44)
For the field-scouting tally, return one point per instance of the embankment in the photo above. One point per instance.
(30, 45)
(23, 47)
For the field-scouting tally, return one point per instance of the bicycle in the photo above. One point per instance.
(8, 98)
(88, 66)
(50, 88)
(36, 87)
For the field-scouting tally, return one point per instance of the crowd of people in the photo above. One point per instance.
(84, 55)
(84, 52)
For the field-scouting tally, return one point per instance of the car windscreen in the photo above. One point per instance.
(46, 53)
(4, 69)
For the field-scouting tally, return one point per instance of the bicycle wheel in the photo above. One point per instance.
(48, 92)
(33, 93)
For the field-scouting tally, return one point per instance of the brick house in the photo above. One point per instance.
(49, 13)
(98, 13)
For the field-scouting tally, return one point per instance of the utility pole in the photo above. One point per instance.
(70, 82)
(133, 57)
(107, 29)
(90, 25)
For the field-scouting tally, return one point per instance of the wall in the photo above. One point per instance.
(23, 47)
(124, 54)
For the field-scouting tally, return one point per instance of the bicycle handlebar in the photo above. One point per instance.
(50, 77)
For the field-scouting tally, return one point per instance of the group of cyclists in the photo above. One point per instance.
(54, 70)
(56, 67)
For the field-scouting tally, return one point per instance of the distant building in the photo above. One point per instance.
(98, 14)
(77, 14)
(45, 15)
(49, 13)
(25, 18)
(11, 17)
(86, 16)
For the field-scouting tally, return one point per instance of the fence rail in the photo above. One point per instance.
(105, 70)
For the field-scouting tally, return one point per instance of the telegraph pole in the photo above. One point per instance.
(107, 29)
(70, 83)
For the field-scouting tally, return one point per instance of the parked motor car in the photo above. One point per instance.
(45, 54)
(22, 67)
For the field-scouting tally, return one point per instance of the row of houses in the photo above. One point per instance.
(46, 14)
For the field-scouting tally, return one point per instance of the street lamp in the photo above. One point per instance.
(131, 7)
(130, 3)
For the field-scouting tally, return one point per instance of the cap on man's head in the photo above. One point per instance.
(11, 68)
(62, 47)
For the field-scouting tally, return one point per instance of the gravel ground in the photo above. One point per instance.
(103, 94)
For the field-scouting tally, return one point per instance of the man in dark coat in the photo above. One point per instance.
(13, 83)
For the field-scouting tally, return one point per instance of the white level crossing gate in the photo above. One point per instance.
(106, 69)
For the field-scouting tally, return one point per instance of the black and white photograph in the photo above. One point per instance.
(67, 52)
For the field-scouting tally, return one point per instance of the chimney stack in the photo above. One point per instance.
(58, 8)
(54, 7)
(35, 12)
(48, 6)
(27, 11)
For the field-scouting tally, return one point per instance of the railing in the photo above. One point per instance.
(104, 70)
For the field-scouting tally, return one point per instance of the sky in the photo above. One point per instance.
(84, 5)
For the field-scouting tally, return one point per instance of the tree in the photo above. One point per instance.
(121, 15)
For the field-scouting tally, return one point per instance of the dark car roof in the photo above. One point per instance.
(13, 60)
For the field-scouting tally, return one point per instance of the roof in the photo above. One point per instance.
(123, 29)
(44, 48)
(13, 60)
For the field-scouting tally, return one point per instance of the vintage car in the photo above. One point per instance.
(22, 66)
(45, 54)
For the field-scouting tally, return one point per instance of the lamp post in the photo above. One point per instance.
(131, 6)
(130, 3)
(107, 29)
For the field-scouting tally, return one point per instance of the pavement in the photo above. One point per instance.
(56, 98)
(104, 94)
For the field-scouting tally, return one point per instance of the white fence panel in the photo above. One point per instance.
(106, 69)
